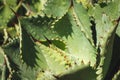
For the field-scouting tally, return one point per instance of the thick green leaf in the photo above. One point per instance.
(56, 8)
(82, 20)
(68, 32)
(59, 44)
(33, 7)
(28, 52)
(5, 12)
(60, 60)
(5, 15)
(105, 30)
(21, 71)
(40, 27)
(73, 36)
(113, 9)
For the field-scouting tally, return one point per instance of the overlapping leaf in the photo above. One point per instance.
(5, 12)
(59, 46)
(29, 52)
(20, 69)
(39, 27)
(72, 34)
(105, 30)
(56, 8)
(60, 60)
(68, 30)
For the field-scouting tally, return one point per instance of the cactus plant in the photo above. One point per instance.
(59, 39)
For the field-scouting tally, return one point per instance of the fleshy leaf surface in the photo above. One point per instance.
(105, 31)
(56, 8)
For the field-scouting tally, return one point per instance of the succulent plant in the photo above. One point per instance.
(59, 39)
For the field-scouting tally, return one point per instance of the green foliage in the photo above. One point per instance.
(5, 11)
(116, 76)
(59, 39)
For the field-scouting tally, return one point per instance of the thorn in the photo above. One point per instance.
(67, 67)
(82, 62)
(75, 63)
(89, 62)
(35, 40)
(65, 56)
(47, 39)
(57, 77)
(71, 4)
